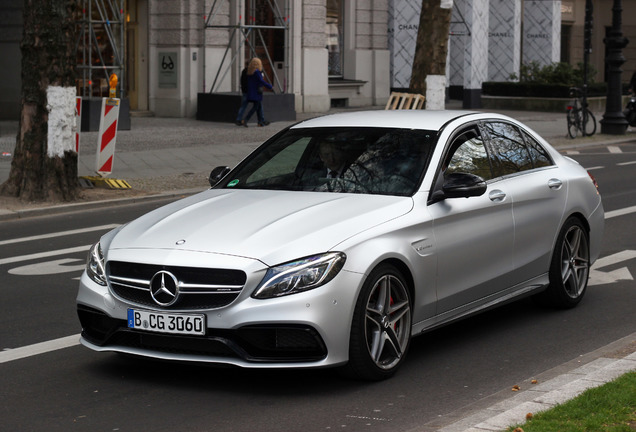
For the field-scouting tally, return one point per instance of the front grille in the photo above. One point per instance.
(199, 288)
(256, 343)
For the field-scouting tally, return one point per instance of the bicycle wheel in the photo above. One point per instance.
(589, 122)
(573, 129)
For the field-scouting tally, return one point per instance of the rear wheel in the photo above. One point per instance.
(590, 124)
(570, 266)
(381, 327)
(573, 129)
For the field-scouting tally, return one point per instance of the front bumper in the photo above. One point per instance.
(249, 344)
(308, 329)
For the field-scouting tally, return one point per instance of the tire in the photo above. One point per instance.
(570, 266)
(590, 126)
(381, 327)
(573, 130)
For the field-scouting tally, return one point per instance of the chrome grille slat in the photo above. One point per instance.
(120, 279)
(146, 288)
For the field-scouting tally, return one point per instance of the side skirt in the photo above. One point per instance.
(517, 292)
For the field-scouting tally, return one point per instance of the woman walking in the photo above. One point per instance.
(255, 84)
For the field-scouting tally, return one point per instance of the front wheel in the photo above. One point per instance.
(381, 327)
(570, 266)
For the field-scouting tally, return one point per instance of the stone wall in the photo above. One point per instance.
(176, 35)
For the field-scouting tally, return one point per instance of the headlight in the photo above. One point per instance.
(301, 275)
(95, 265)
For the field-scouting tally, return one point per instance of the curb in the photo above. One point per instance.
(6, 215)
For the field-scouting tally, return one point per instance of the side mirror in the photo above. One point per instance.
(217, 175)
(463, 185)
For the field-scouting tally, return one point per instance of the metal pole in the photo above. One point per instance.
(613, 121)
(587, 49)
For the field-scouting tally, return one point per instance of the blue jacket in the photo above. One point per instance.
(255, 81)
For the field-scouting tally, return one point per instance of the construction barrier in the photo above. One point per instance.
(78, 124)
(107, 136)
(405, 101)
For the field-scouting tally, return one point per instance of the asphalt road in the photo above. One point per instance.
(447, 370)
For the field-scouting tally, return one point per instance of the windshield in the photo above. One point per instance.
(349, 160)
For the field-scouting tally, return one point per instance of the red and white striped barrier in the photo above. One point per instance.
(78, 124)
(107, 136)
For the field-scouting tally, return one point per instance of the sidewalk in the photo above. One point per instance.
(163, 157)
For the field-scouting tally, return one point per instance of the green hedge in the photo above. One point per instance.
(527, 89)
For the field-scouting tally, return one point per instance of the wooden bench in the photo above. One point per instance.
(405, 101)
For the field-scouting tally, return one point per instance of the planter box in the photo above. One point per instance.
(223, 107)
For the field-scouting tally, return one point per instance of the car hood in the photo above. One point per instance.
(270, 226)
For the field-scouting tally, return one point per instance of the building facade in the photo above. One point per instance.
(324, 52)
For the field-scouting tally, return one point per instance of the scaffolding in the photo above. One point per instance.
(100, 47)
(249, 32)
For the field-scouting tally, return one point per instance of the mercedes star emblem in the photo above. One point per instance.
(164, 288)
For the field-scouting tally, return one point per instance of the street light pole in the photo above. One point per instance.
(587, 49)
(613, 122)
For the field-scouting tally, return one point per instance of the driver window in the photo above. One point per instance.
(468, 155)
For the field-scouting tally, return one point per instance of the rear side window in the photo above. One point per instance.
(540, 157)
(509, 152)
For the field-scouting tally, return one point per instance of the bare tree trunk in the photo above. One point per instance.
(48, 60)
(431, 46)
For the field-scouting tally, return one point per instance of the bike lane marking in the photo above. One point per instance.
(49, 267)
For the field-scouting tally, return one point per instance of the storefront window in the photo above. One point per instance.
(335, 37)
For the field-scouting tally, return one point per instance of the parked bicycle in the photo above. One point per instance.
(580, 118)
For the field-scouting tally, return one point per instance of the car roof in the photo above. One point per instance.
(405, 119)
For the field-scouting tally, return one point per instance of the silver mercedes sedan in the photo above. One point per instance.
(340, 238)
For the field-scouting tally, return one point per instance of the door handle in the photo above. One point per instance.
(497, 195)
(555, 183)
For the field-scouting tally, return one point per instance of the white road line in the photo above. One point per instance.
(38, 348)
(59, 234)
(620, 212)
(626, 163)
(572, 152)
(44, 254)
(595, 168)
(614, 149)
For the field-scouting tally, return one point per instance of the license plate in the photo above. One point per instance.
(166, 322)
